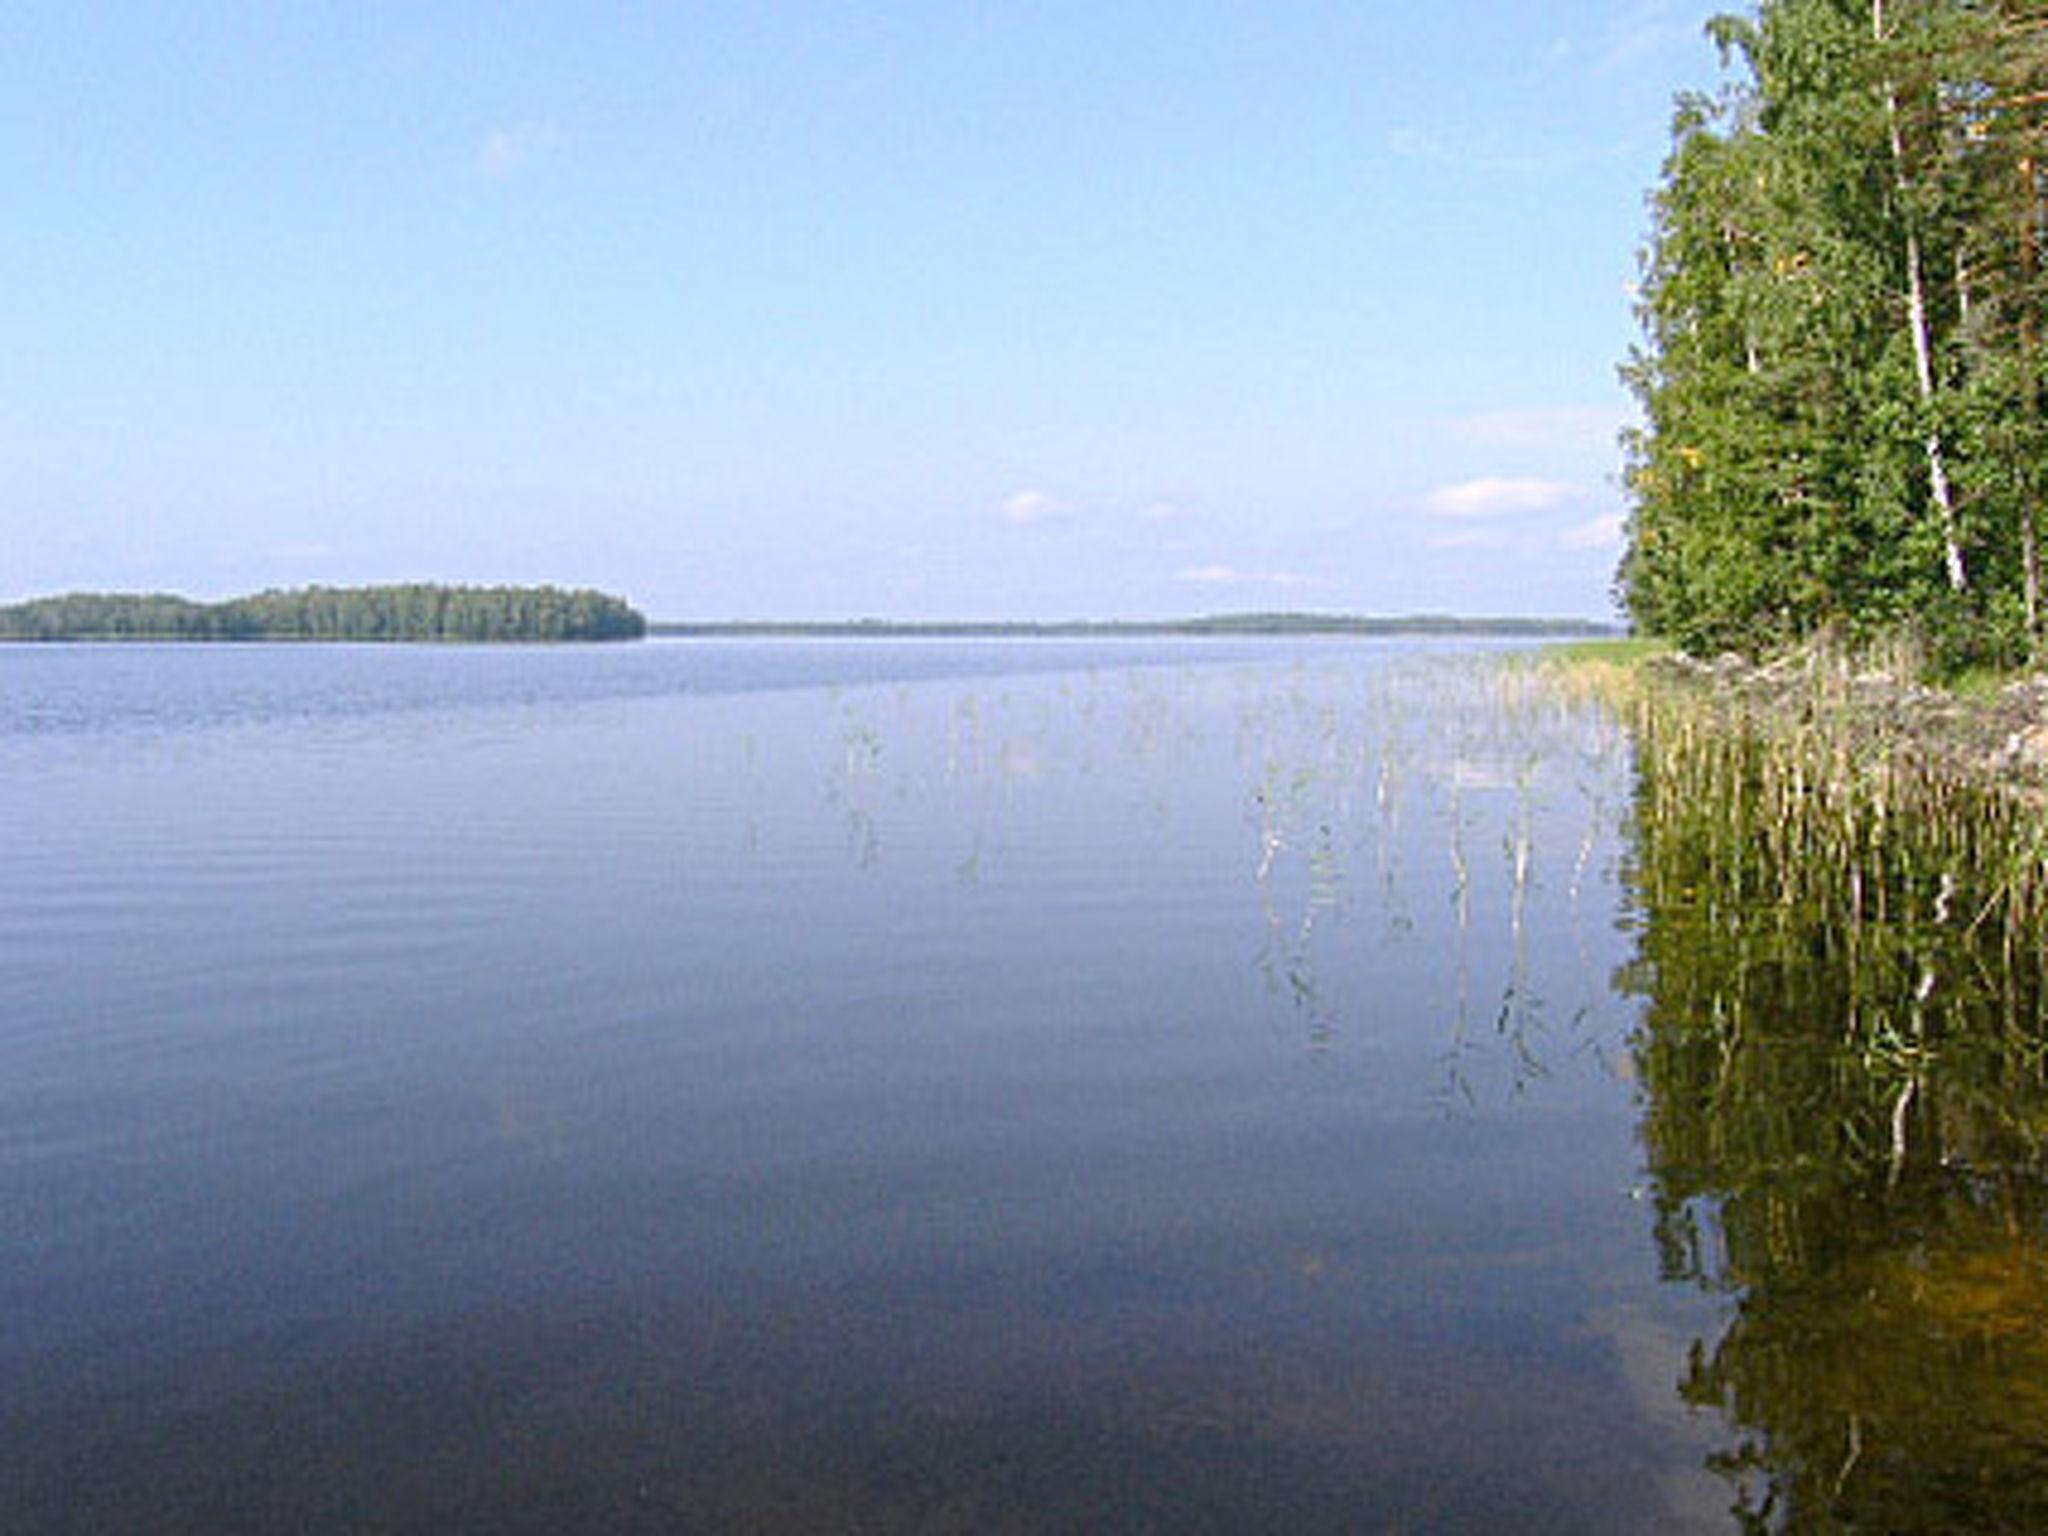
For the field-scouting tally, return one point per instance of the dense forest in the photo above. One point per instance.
(416, 611)
(1841, 302)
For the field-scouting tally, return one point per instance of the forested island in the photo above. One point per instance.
(1842, 300)
(411, 612)
(1222, 624)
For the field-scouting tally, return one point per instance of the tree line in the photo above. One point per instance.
(1842, 304)
(415, 611)
(1224, 625)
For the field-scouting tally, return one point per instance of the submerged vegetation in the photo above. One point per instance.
(1842, 300)
(416, 611)
(1843, 1057)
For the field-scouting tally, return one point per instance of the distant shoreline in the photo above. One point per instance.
(406, 613)
(1212, 626)
(424, 611)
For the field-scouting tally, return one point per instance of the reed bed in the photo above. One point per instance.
(1838, 883)
(1841, 788)
(1842, 948)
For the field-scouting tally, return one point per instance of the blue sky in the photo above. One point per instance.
(813, 310)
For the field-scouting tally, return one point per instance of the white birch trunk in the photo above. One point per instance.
(1916, 317)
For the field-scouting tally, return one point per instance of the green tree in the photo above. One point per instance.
(414, 612)
(1838, 303)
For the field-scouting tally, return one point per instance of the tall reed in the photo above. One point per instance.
(1842, 964)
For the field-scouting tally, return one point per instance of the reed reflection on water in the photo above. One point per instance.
(1844, 1065)
(1450, 804)
(1841, 1054)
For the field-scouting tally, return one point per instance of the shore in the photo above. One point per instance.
(1991, 734)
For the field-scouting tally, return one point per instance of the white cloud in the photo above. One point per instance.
(1599, 533)
(1546, 427)
(1231, 576)
(506, 152)
(1029, 509)
(1164, 512)
(1498, 496)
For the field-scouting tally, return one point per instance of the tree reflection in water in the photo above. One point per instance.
(1846, 1121)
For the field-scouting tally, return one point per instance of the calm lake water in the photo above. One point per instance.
(865, 1086)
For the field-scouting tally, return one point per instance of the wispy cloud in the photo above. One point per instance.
(505, 152)
(1644, 31)
(1232, 576)
(1498, 496)
(1599, 533)
(1030, 509)
(1545, 427)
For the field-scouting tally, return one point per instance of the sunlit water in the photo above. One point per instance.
(824, 1087)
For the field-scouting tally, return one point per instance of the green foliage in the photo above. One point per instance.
(417, 612)
(1858, 197)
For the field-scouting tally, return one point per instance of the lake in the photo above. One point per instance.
(924, 1086)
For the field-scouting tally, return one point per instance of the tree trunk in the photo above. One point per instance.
(2030, 557)
(1916, 318)
(2030, 399)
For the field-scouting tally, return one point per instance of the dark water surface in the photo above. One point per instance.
(767, 1086)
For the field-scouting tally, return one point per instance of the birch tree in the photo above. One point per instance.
(1841, 305)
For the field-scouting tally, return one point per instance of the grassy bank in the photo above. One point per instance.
(1988, 728)
(1857, 784)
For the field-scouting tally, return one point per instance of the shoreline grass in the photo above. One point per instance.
(1859, 781)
